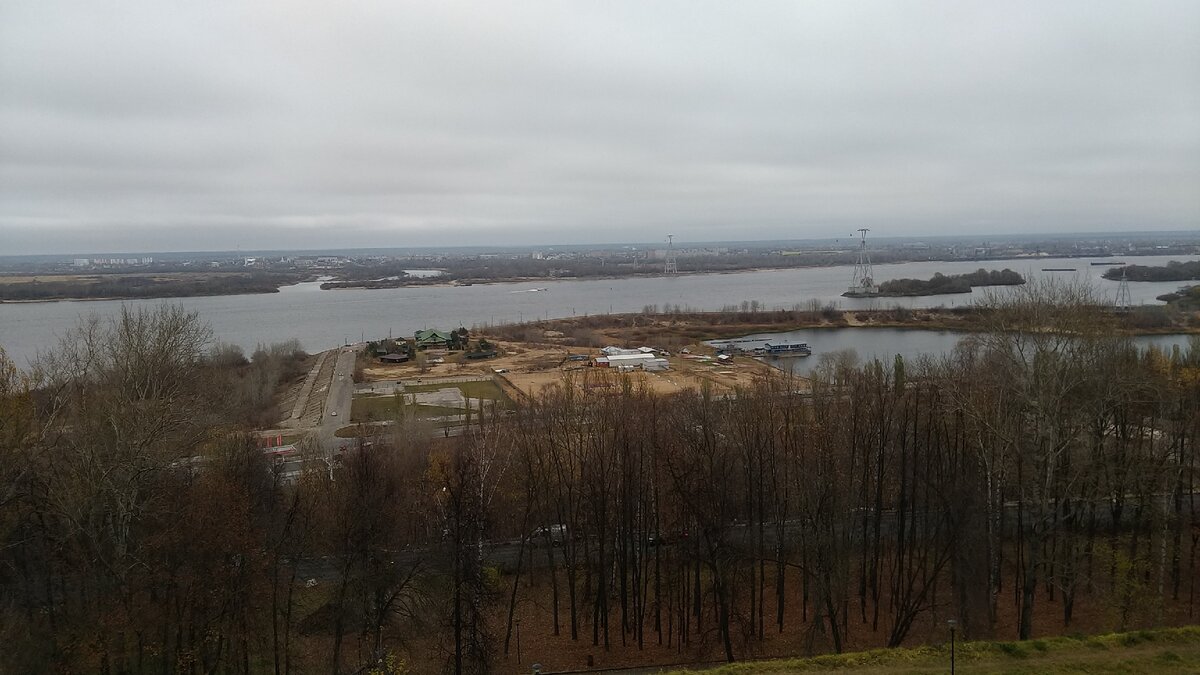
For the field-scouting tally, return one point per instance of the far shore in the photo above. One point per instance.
(123, 298)
(435, 282)
(722, 325)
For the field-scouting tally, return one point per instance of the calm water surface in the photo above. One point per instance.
(322, 319)
(886, 343)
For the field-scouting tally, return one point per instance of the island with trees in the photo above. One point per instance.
(947, 284)
(1172, 271)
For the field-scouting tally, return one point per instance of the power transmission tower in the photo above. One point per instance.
(1124, 303)
(671, 266)
(863, 283)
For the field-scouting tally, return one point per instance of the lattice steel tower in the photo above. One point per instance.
(1124, 303)
(863, 283)
(671, 267)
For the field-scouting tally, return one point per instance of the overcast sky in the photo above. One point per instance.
(144, 126)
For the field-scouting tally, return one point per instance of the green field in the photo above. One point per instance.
(1168, 650)
(485, 389)
(367, 408)
(377, 408)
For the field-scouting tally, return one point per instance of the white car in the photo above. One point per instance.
(334, 413)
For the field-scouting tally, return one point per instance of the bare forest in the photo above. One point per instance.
(1040, 480)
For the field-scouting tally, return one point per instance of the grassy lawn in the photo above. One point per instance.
(1168, 650)
(377, 408)
(486, 389)
(369, 408)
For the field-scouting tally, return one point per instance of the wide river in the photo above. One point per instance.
(886, 343)
(322, 319)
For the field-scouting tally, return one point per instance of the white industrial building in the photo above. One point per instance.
(631, 359)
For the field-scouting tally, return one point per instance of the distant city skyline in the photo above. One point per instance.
(848, 241)
(146, 127)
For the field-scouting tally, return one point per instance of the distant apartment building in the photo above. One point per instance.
(112, 262)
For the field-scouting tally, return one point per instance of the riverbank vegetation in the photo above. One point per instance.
(1170, 650)
(671, 326)
(941, 284)
(1041, 480)
(1185, 299)
(252, 384)
(130, 286)
(1172, 271)
(498, 269)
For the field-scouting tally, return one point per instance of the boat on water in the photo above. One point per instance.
(1107, 264)
(785, 349)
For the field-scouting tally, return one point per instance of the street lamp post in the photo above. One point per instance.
(953, 623)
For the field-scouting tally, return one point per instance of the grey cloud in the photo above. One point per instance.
(134, 125)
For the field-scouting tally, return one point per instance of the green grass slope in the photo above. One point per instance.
(1169, 650)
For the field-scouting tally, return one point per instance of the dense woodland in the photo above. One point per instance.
(1039, 480)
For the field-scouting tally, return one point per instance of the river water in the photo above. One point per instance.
(886, 343)
(322, 319)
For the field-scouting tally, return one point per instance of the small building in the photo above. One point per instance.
(394, 358)
(622, 361)
(426, 339)
(656, 365)
(618, 351)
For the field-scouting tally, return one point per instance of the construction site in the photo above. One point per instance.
(524, 368)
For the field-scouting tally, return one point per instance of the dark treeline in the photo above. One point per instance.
(486, 269)
(1040, 479)
(1172, 271)
(942, 284)
(147, 286)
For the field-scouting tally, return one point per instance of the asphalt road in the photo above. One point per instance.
(339, 397)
